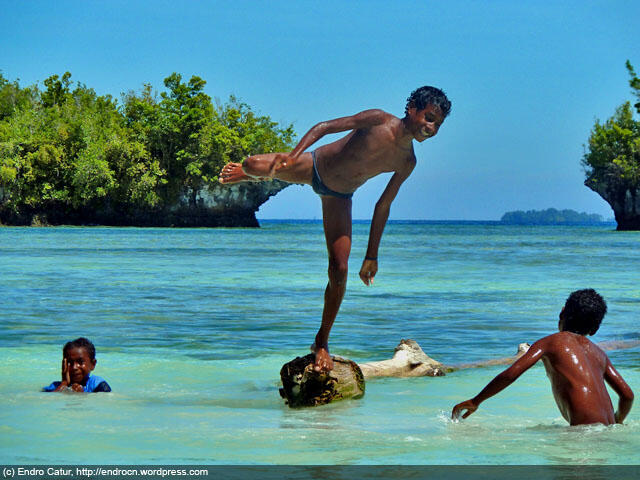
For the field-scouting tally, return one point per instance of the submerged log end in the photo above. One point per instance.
(302, 386)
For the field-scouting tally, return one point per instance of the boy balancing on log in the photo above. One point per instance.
(378, 142)
(576, 367)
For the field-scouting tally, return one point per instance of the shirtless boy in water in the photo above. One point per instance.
(576, 367)
(378, 142)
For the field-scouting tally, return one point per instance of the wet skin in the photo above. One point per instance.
(377, 142)
(577, 369)
(76, 367)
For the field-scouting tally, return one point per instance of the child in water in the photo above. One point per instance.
(78, 361)
(576, 367)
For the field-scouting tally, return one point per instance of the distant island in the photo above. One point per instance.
(552, 216)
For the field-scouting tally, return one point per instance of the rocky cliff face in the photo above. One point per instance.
(218, 205)
(624, 201)
(214, 205)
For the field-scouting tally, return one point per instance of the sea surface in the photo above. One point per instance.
(192, 327)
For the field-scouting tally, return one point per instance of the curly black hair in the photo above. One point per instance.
(583, 312)
(423, 96)
(81, 343)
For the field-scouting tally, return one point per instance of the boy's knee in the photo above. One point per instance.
(338, 270)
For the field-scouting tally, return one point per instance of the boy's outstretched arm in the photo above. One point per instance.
(625, 394)
(364, 119)
(380, 216)
(501, 381)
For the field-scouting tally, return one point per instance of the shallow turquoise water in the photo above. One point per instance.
(192, 327)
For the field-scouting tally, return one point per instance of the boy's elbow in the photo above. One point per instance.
(324, 128)
(319, 127)
(625, 396)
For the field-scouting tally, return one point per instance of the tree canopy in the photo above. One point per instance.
(613, 153)
(66, 147)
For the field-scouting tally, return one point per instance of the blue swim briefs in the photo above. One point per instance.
(318, 185)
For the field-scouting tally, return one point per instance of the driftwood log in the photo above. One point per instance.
(304, 387)
(522, 349)
(408, 361)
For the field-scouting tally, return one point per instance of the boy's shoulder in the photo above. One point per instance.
(377, 115)
(555, 340)
(97, 384)
(565, 335)
(51, 387)
(566, 341)
(388, 127)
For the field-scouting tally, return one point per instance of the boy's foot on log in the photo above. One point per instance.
(324, 363)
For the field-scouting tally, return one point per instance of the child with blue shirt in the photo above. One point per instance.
(78, 361)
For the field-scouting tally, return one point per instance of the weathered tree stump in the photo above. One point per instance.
(302, 386)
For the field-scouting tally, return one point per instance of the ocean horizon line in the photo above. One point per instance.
(438, 222)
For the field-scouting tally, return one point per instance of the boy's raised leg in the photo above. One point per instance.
(254, 169)
(257, 168)
(336, 214)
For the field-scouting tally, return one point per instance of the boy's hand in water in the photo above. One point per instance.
(368, 271)
(281, 160)
(467, 405)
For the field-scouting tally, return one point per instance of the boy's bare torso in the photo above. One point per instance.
(347, 163)
(576, 368)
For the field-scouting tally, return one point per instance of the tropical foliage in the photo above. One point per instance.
(613, 154)
(67, 148)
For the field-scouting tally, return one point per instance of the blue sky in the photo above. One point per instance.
(527, 80)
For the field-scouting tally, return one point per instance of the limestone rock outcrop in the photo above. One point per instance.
(217, 205)
(213, 205)
(624, 201)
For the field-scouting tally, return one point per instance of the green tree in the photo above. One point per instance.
(68, 149)
(191, 139)
(57, 91)
(138, 175)
(612, 160)
(13, 98)
(635, 84)
(614, 150)
(173, 129)
(185, 111)
(244, 133)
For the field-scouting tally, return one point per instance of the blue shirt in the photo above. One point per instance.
(94, 384)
